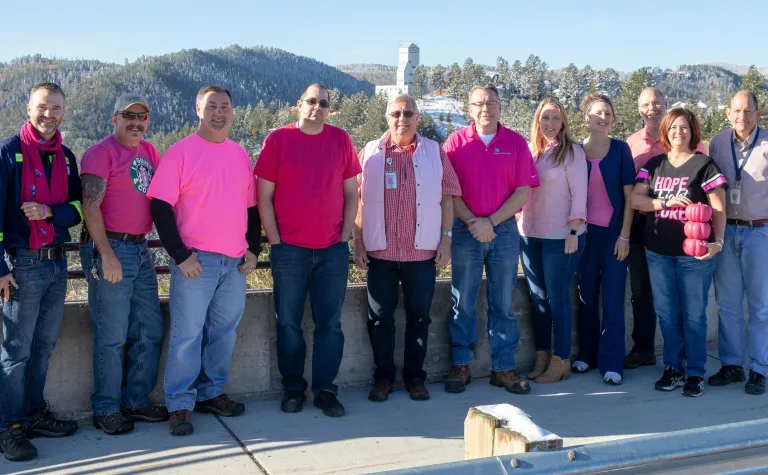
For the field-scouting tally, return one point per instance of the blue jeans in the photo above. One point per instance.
(499, 258)
(602, 275)
(741, 269)
(205, 311)
(680, 286)
(550, 272)
(127, 312)
(323, 274)
(31, 321)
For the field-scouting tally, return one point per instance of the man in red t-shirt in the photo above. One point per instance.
(307, 194)
(122, 283)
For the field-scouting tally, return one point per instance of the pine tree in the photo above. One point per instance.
(438, 78)
(427, 128)
(454, 81)
(420, 81)
(336, 98)
(754, 82)
(570, 89)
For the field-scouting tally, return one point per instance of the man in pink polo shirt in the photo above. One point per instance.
(496, 173)
(307, 181)
(122, 283)
(204, 207)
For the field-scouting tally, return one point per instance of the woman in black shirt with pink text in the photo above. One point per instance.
(665, 187)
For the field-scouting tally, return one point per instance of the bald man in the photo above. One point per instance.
(741, 152)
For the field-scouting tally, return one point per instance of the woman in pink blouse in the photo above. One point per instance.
(552, 237)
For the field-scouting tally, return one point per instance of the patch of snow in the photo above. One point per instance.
(516, 420)
(440, 108)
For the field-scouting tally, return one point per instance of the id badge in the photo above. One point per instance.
(390, 179)
(735, 195)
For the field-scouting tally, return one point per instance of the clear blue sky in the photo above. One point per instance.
(623, 34)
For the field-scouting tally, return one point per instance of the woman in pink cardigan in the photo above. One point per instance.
(552, 237)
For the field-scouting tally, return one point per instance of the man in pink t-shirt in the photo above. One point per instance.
(122, 283)
(204, 208)
(307, 182)
(496, 173)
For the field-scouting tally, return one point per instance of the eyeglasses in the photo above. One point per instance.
(481, 104)
(397, 114)
(127, 115)
(313, 102)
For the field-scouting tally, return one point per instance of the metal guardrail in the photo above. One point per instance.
(742, 446)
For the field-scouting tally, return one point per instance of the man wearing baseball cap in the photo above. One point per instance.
(122, 283)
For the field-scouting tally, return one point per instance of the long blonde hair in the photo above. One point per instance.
(564, 141)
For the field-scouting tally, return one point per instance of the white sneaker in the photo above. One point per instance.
(612, 378)
(579, 366)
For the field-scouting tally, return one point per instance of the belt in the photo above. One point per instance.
(756, 223)
(44, 253)
(136, 238)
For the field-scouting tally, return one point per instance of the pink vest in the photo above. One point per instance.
(428, 170)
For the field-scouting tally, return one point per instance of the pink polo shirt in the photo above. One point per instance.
(644, 147)
(489, 174)
(562, 196)
(210, 187)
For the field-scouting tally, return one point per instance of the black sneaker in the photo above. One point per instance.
(694, 386)
(47, 424)
(756, 384)
(15, 444)
(151, 413)
(330, 405)
(726, 375)
(670, 380)
(113, 424)
(293, 400)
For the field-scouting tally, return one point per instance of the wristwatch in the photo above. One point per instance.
(447, 233)
(572, 232)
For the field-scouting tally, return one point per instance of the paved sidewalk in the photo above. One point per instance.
(399, 433)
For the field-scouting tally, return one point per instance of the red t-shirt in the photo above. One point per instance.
(128, 173)
(308, 172)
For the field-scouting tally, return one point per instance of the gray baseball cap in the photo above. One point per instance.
(127, 100)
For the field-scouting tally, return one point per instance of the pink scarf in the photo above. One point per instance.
(34, 185)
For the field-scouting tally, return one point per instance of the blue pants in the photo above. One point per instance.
(499, 258)
(550, 272)
(31, 321)
(741, 270)
(680, 287)
(601, 274)
(127, 312)
(205, 311)
(322, 273)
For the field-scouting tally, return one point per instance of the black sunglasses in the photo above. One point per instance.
(313, 102)
(406, 114)
(127, 115)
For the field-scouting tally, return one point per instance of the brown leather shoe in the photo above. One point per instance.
(458, 379)
(180, 422)
(221, 405)
(418, 391)
(511, 381)
(380, 391)
(636, 360)
(540, 365)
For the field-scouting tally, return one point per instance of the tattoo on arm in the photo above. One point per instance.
(93, 188)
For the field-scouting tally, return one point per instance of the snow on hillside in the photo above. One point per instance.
(445, 111)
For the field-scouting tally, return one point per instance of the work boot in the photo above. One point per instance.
(417, 391)
(756, 384)
(48, 424)
(558, 369)
(180, 422)
(458, 379)
(380, 391)
(328, 402)
(635, 360)
(151, 413)
(511, 381)
(15, 444)
(221, 405)
(540, 365)
(113, 424)
(727, 374)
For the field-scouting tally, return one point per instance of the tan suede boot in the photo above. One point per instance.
(558, 369)
(540, 365)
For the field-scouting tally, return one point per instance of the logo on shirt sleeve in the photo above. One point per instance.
(141, 174)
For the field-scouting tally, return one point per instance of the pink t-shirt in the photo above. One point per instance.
(128, 173)
(599, 208)
(308, 172)
(489, 174)
(210, 187)
(644, 147)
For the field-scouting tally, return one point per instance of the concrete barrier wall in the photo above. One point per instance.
(254, 372)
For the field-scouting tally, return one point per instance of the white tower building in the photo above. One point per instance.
(408, 60)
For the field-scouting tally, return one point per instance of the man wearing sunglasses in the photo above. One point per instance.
(308, 201)
(122, 283)
(402, 234)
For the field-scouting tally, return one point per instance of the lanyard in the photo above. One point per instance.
(746, 155)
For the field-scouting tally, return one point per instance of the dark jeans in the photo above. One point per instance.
(323, 274)
(601, 275)
(127, 312)
(418, 280)
(550, 272)
(643, 313)
(31, 321)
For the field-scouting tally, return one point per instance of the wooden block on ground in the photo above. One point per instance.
(504, 429)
